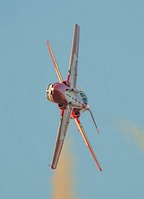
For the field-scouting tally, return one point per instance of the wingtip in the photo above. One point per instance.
(76, 25)
(52, 167)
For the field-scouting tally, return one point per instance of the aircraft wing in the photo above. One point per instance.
(54, 62)
(63, 125)
(81, 129)
(72, 72)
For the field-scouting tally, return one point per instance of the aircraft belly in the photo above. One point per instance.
(74, 99)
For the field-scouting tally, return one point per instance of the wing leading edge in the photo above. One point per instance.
(54, 62)
(81, 129)
(72, 72)
(63, 125)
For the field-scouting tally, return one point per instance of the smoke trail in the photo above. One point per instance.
(63, 176)
(133, 131)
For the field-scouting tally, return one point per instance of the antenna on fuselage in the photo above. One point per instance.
(80, 87)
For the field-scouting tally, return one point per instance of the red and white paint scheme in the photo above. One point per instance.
(70, 100)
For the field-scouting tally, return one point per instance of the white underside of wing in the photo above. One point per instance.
(63, 125)
(73, 72)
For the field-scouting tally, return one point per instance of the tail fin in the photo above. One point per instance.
(54, 63)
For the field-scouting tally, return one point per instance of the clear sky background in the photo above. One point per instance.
(110, 71)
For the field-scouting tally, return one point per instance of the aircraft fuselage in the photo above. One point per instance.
(62, 94)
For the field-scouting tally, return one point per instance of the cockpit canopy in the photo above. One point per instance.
(84, 97)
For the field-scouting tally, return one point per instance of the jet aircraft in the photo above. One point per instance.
(70, 100)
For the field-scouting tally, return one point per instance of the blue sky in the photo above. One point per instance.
(111, 73)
